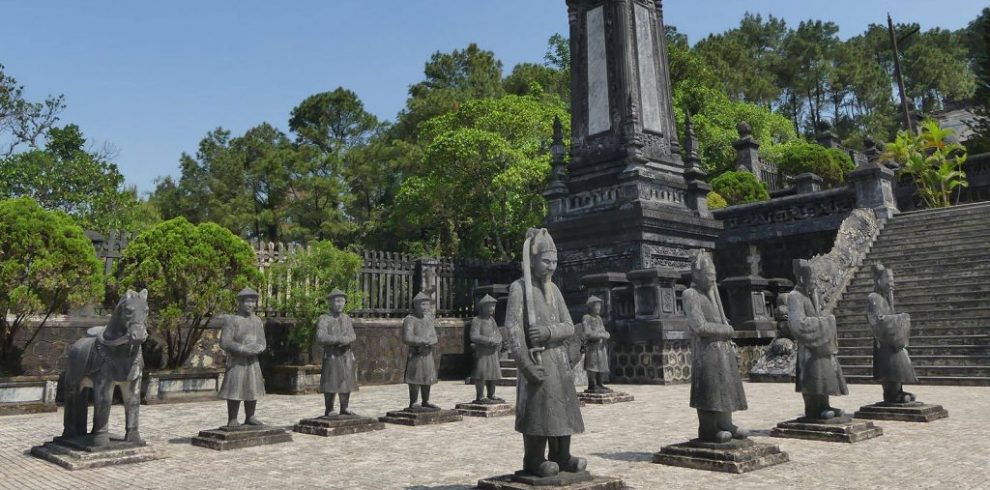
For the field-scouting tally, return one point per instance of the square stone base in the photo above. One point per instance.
(604, 398)
(839, 429)
(902, 412)
(421, 416)
(242, 436)
(736, 456)
(79, 453)
(337, 425)
(485, 410)
(570, 481)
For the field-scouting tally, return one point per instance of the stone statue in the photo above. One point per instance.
(891, 364)
(818, 372)
(538, 323)
(419, 332)
(107, 357)
(242, 338)
(335, 332)
(595, 350)
(486, 340)
(716, 387)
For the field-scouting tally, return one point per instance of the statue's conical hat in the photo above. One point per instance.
(422, 297)
(593, 299)
(336, 292)
(487, 300)
(247, 293)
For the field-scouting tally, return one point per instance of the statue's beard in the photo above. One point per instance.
(543, 283)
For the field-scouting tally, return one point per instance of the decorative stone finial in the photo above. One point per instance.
(744, 129)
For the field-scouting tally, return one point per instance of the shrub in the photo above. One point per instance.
(716, 201)
(46, 264)
(934, 163)
(192, 272)
(799, 156)
(740, 187)
(308, 276)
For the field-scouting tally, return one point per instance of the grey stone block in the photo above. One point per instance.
(226, 438)
(338, 425)
(737, 456)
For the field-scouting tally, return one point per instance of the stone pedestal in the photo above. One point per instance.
(736, 456)
(604, 398)
(421, 416)
(902, 412)
(337, 425)
(486, 410)
(570, 481)
(839, 429)
(79, 453)
(242, 436)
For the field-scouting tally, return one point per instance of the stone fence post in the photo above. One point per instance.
(874, 185)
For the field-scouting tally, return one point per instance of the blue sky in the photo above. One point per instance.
(153, 77)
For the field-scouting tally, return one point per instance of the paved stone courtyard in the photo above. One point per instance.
(948, 454)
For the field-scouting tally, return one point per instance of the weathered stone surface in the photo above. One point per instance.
(226, 438)
(903, 412)
(181, 385)
(337, 425)
(78, 453)
(421, 417)
(486, 410)
(840, 429)
(598, 104)
(604, 398)
(565, 481)
(736, 456)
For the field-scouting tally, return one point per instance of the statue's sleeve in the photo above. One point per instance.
(349, 336)
(476, 336)
(795, 313)
(408, 335)
(565, 329)
(699, 325)
(323, 335)
(227, 341)
(263, 339)
(515, 326)
(875, 315)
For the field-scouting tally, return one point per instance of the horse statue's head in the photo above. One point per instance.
(128, 319)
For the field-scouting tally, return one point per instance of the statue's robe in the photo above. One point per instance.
(420, 334)
(818, 370)
(595, 351)
(891, 332)
(336, 334)
(486, 339)
(243, 380)
(715, 381)
(549, 408)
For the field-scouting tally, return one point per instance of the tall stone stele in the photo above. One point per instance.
(632, 196)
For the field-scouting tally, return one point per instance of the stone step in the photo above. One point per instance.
(924, 243)
(858, 306)
(924, 371)
(909, 231)
(922, 360)
(509, 372)
(923, 341)
(925, 380)
(948, 330)
(976, 286)
(961, 210)
(921, 350)
(929, 273)
(855, 299)
(507, 363)
(939, 312)
(905, 255)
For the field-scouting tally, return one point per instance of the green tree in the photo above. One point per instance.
(932, 161)
(978, 40)
(46, 265)
(799, 156)
(22, 122)
(304, 280)
(937, 71)
(746, 59)
(739, 187)
(192, 272)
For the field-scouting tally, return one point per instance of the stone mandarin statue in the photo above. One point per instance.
(243, 338)
(335, 332)
(595, 350)
(486, 340)
(716, 386)
(419, 332)
(538, 323)
(891, 364)
(818, 372)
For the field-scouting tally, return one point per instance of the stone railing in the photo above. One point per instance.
(767, 219)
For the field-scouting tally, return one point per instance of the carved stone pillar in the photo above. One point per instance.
(874, 189)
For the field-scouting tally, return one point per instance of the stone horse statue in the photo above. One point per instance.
(107, 357)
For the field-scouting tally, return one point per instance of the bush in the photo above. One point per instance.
(308, 276)
(799, 156)
(46, 264)
(739, 187)
(192, 272)
(932, 161)
(716, 201)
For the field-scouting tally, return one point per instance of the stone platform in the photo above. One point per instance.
(581, 480)
(79, 453)
(421, 416)
(736, 456)
(337, 425)
(485, 410)
(838, 429)
(242, 436)
(604, 398)
(902, 412)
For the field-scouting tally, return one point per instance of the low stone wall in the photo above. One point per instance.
(27, 394)
(181, 385)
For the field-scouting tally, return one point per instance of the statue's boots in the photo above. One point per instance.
(430, 406)
(534, 460)
(347, 411)
(905, 397)
(252, 420)
(725, 424)
(560, 453)
(710, 427)
(133, 436)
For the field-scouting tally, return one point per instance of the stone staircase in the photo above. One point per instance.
(941, 264)
(509, 371)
